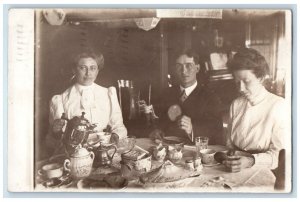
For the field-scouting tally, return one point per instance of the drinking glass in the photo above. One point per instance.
(126, 144)
(201, 143)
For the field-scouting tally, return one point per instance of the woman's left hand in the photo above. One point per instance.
(237, 163)
(114, 138)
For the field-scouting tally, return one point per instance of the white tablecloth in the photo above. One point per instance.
(255, 179)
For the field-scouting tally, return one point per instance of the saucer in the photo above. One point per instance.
(173, 140)
(52, 183)
(211, 164)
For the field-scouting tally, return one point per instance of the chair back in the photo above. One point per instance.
(280, 174)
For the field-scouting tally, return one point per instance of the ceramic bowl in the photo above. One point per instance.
(207, 156)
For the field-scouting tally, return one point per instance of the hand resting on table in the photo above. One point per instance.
(235, 161)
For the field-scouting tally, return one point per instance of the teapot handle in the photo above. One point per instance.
(112, 147)
(40, 172)
(67, 165)
(92, 155)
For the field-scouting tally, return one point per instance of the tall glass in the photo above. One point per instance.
(201, 143)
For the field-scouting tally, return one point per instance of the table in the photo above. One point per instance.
(256, 179)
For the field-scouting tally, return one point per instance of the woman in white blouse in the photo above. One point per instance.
(257, 117)
(100, 104)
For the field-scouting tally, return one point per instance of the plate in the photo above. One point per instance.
(108, 182)
(52, 183)
(211, 165)
(173, 140)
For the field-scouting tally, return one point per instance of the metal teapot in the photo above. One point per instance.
(77, 132)
(103, 158)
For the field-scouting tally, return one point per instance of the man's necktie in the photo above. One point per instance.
(183, 96)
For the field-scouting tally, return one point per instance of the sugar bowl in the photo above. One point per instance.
(80, 163)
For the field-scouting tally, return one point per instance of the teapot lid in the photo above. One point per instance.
(80, 151)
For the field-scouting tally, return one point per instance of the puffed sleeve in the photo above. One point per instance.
(279, 129)
(55, 112)
(56, 108)
(116, 119)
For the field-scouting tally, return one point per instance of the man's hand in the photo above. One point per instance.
(156, 135)
(185, 123)
(237, 163)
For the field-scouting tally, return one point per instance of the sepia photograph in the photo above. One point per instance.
(150, 100)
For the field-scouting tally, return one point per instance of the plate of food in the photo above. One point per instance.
(167, 175)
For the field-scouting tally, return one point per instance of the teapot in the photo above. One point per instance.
(103, 158)
(80, 163)
(77, 132)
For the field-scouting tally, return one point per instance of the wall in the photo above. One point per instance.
(130, 53)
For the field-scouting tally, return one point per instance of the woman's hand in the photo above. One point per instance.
(237, 163)
(114, 138)
(58, 125)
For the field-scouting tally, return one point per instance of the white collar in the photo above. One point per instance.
(80, 88)
(262, 94)
(190, 89)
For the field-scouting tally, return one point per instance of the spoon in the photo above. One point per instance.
(226, 186)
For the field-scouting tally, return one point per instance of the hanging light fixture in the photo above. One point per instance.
(146, 23)
(54, 16)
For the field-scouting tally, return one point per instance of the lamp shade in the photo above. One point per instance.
(146, 23)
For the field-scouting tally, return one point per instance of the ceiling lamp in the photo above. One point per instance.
(146, 23)
(54, 16)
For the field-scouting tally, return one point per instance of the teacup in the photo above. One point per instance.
(53, 170)
(174, 153)
(132, 169)
(144, 164)
(159, 153)
(207, 156)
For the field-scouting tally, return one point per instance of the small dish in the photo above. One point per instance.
(52, 183)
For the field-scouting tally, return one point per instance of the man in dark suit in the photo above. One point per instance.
(200, 115)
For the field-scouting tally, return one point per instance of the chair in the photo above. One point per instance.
(280, 173)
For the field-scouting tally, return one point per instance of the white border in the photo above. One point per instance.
(271, 2)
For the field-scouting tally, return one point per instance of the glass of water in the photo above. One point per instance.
(201, 143)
